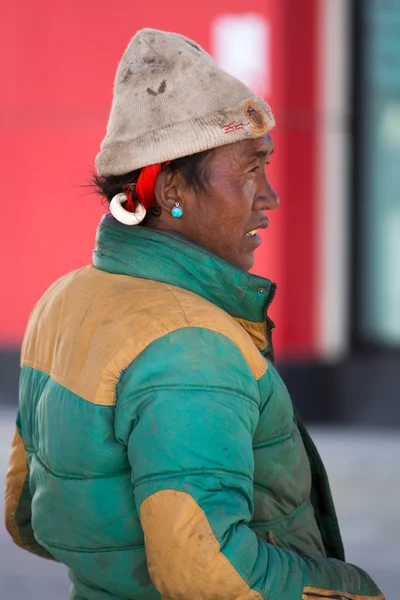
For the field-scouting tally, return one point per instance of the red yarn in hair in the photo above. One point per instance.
(130, 205)
(144, 188)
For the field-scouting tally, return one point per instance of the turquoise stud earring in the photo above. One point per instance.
(177, 211)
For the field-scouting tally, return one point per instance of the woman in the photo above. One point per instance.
(157, 451)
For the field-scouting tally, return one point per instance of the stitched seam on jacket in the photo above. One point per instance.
(264, 488)
(31, 364)
(283, 519)
(282, 438)
(173, 474)
(170, 288)
(56, 379)
(89, 550)
(200, 388)
(79, 477)
(59, 381)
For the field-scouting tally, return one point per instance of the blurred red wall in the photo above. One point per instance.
(56, 90)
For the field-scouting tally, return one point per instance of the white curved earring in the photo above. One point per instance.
(124, 216)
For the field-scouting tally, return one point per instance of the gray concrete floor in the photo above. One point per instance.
(365, 476)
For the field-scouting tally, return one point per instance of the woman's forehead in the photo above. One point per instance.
(246, 150)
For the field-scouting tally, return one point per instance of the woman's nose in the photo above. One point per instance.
(267, 200)
(273, 200)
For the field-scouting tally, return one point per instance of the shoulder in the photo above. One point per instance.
(91, 325)
(163, 310)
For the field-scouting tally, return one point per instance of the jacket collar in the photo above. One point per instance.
(171, 258)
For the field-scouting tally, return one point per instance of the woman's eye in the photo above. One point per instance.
(267, 163)
(254, 169)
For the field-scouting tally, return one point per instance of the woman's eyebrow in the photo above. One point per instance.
(260, 154)
(267, 152)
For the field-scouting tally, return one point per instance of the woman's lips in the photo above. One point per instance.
(253, 238)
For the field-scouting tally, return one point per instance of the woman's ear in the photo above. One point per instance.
(168, 189)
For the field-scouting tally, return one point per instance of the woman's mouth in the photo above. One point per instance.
(254, 232)
(253, 237)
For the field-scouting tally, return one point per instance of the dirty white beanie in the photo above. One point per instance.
(171, 100)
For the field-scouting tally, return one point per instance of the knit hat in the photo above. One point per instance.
(171, 100)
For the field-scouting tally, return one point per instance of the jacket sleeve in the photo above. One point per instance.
(187, 410)
(17, 499)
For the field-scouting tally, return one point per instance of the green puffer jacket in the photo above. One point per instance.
(157, 453)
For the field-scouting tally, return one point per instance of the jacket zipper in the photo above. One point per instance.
(271, 296)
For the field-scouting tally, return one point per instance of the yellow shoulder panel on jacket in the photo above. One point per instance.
(256, 331)
(183, 554)
(313, 593)
(90, 325)
(15, 478)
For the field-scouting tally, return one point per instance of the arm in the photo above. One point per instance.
(187, 411)
(17, 499)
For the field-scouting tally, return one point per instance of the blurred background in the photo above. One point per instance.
(331, 71)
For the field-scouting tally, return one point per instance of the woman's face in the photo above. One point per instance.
(225, 216)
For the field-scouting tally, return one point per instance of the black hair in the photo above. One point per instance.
(194, 168)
